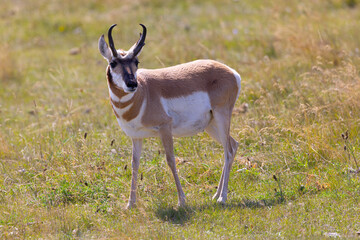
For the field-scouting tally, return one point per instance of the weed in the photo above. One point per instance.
(350, 150)
(277, 179)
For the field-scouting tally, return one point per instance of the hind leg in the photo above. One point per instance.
(229, 159)
(219, 129)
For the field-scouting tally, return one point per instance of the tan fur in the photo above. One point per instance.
(203, 75)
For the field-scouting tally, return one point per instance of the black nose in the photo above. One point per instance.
(132, 84)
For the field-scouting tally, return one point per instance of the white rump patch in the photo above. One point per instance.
(238, 80)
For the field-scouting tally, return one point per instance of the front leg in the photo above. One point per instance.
(167, 141)
(136, 152)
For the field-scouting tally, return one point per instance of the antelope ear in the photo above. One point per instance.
(104, 49)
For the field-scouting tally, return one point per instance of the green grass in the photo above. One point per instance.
(300, 78)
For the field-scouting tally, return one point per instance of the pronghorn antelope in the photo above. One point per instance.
(182, 100)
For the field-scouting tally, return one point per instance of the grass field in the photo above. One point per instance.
(65, 163)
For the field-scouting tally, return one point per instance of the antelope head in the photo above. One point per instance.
(123, 64)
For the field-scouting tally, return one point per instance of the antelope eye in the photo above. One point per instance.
(137, 63)
(113, 64)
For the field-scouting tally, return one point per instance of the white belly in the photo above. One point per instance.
(190, 114)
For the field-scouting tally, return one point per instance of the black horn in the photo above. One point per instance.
(141, 41)
(111, 41)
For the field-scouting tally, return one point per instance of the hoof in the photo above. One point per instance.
(182, 202)
(130, 206)
(221, 200)
(182, 205)
(216, 196)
